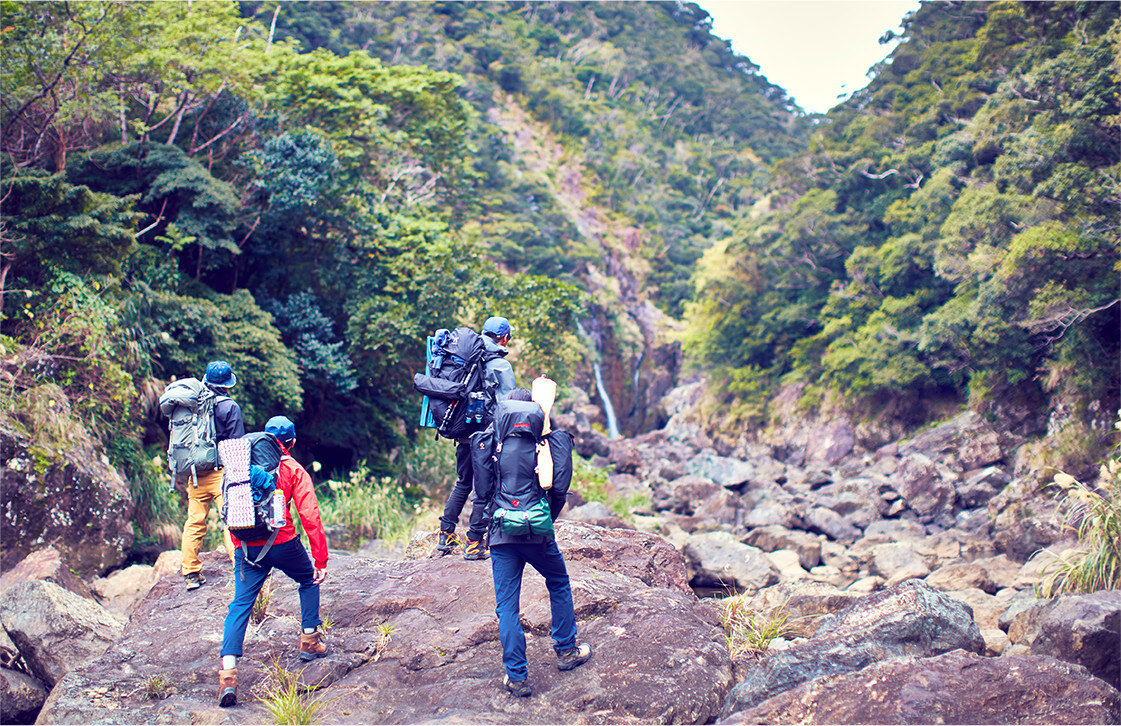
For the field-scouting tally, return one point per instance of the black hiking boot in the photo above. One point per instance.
(520, 689)
(446, 543)
(474, 550)
(574, 657)
(195, 580)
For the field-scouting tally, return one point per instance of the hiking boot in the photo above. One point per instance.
(195, 580)
(574, 657)
(520, 689)
(446, 543)
(227, 687)
(474, 550)
(311, 647)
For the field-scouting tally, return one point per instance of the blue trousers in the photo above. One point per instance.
(290, 558)
(507, 562)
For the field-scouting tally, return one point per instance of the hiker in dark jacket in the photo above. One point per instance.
(286, 554)
(509, 555)
(228, 424)
(498, 376)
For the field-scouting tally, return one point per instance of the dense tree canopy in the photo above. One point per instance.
(952, 227)
(310, 198)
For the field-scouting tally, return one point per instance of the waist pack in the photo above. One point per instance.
(536, 519)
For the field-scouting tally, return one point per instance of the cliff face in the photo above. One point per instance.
(59, 490)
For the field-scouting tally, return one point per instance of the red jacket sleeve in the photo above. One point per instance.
(303, 495)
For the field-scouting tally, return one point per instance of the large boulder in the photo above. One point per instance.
(829, 523)
(416, 641)
(44, 564)
(69, 498)
(21, 697)
(122, 589)
(1084, 629)
(725, 471)
(54, 629)
(910, 619)
(956, 687)
(961, 576)
(718, 560)
(683, 494)
(898, 561)
(773, 537)
(926, 488)
(596, 513)
(966, 442)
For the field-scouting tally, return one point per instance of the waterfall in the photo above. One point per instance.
(608, 409)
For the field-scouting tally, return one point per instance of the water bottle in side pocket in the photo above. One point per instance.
(279, 510)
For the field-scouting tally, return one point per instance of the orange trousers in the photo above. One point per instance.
(199, 499)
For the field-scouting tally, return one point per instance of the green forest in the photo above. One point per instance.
(307, 190)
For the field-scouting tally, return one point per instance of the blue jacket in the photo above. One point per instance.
(228, 421)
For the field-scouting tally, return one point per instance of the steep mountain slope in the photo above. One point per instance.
(951, 231)
(614, 140)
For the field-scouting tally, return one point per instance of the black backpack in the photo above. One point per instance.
(258, 505)
(518, 504)
(455, 383)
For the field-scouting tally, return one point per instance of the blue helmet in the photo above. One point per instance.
(219, 373)
(282, 428)
(497, 327)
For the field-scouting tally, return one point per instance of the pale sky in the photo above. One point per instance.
(815, 49)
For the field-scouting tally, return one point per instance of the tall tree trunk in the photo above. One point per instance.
(121, 114)
(178, 118)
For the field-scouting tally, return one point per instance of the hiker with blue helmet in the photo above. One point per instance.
(228, 424)
(498, 377)
(286, 554)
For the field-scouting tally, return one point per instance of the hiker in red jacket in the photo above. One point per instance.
(288, 555)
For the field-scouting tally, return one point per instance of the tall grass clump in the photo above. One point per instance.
(592, 484)
(368, 506)
(1094, 514)
(429, 465)
(288, 700)
(750, 632)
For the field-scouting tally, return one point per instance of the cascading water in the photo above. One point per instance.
(608, 408)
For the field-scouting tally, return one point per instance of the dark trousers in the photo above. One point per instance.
(507, 561)
(290, 558)
(459, 495)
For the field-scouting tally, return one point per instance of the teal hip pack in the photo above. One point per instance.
(535, 520)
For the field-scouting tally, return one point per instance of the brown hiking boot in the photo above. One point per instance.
(227, 687)
(311, 647)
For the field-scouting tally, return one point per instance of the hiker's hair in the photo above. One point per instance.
(520, 394)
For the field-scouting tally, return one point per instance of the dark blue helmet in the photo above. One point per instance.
(219, 373)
